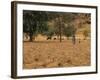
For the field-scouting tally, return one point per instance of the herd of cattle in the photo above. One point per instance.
(40, 37)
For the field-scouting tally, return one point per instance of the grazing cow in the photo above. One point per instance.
(54, 38)
(49, 38)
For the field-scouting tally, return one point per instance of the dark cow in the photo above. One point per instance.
(54, 38)
(49, 38)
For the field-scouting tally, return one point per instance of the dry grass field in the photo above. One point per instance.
(50, 54)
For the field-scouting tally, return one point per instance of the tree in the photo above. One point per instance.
(70, 31)
(34, 22)
(49, 32)
(60, 19)
(28, 24)
(74, 36)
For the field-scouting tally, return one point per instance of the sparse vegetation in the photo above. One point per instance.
(56, 54)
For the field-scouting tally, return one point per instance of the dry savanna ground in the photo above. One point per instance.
(50, 54)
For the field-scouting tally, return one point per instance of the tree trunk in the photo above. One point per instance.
(31, 37)
(60, 29)
(74, 36)
(74, 39)
(60, 35)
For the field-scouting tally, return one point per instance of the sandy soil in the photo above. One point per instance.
(49, 54)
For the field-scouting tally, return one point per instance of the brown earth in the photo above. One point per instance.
(49, 54)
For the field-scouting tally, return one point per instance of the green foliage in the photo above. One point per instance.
(50, 32)
(34, 22)
(69, 31)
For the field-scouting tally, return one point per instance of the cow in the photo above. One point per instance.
(49, 38)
